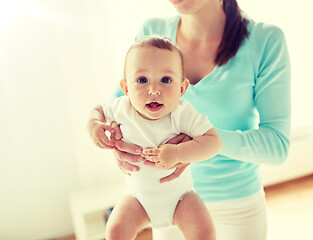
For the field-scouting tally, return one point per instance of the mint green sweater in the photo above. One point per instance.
(248, 102)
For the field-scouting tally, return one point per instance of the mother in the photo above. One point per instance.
(239, 72)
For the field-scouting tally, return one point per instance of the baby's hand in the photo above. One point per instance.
(165, 156)
(99, 137)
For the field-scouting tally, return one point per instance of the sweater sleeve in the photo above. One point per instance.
(270, 142)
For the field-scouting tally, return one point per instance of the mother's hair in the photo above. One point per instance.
(235, 32)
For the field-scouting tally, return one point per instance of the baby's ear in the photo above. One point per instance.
(124, 87)
(184, 86)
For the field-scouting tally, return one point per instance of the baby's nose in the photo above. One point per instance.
(154, 90)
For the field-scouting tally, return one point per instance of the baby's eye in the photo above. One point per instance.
(142, 80)
(166, 80)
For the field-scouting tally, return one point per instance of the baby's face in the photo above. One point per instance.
(154, 81)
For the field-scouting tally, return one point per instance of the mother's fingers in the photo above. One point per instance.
(179, 139)
(127, 157)
(178, 171)
(127, 147)
(127, 167)
(104, 144)
(149, 163)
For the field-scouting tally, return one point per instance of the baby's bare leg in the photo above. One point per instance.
(193, 218)
(127, 218)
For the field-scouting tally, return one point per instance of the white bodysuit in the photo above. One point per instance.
(158, 199)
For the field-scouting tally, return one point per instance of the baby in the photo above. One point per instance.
(151, 113)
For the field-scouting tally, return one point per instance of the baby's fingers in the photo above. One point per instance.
(148, 163)
(152, 158)
(151, 151)
(102, 139)
(117, 131)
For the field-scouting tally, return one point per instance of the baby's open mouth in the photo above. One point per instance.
(154, 106)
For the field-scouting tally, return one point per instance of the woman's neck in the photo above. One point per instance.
(205, 25)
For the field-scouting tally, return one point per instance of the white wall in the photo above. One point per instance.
(52, 57)
(59, 58)
(295, 19)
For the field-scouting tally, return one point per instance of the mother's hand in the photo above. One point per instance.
(125, 153)
(180, 167)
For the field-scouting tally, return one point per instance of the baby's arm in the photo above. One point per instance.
(200, 148)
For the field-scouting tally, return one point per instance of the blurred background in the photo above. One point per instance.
(58, 59)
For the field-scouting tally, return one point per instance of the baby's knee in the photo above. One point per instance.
(205, 232)
(112, 231)
(116, 231)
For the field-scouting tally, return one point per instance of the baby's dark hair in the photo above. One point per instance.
(157, 41)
